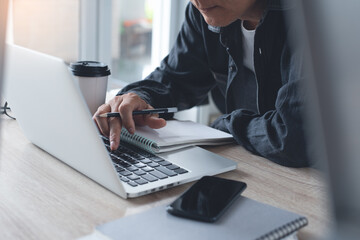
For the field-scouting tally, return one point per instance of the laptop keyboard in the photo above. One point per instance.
(137, 167)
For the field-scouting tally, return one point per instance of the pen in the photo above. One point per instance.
(140, 112)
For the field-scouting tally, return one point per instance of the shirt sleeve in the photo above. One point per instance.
(183, 79)
(279, 134)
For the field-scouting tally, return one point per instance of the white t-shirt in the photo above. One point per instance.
(248, 47)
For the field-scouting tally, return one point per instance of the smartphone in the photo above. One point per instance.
(207, 199)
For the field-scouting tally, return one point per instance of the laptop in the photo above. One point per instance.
(53, 115)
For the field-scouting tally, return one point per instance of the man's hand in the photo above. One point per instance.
(125, 105)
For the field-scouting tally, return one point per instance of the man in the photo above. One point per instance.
(239, 51)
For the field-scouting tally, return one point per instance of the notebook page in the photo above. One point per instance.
(178, 132)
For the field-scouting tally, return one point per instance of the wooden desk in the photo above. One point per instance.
(42, 198)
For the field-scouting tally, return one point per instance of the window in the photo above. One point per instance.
(142, 34)
(132, 39)
(48, 26)
(130, 36)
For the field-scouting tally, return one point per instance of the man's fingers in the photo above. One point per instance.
(114, 124)
(155, 122)
(125, 105)
(115, 130)
(127, 118)
(102, 123)
(151, 120)
(130, 103)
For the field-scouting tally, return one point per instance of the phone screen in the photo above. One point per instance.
(207, 199)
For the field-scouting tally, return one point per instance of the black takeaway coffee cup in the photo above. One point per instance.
(92, 79)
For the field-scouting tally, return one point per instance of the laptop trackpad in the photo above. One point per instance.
(198, 159)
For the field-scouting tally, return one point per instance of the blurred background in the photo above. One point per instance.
(132, 37)
(73, 29)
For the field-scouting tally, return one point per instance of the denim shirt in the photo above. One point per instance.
(263, 111)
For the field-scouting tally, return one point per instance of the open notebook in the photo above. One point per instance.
(175, 135)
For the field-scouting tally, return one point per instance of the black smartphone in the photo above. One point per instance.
(207, 199)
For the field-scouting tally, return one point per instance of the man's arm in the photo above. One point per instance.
(279, 134)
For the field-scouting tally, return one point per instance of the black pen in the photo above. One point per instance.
(141, 112)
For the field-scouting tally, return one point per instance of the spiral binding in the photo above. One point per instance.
(285, 230)
(139, 141)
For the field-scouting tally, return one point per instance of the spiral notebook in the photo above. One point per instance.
(246, 219)
(175, 135)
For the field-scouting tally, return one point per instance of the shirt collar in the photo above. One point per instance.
(280, 4)
(273, 5)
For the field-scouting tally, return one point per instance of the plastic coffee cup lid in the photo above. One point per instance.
(89, 69)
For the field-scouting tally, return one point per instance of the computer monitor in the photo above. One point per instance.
(333, 34)
(3, 24)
